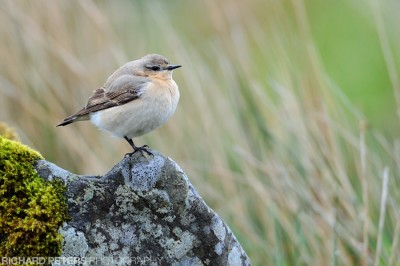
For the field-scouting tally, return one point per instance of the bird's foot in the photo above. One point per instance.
(143, 149)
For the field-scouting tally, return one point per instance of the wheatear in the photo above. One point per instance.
(136, 99)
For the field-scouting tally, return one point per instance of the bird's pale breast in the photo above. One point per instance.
(138, 117)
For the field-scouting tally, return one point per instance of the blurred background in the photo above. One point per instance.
(287, 123)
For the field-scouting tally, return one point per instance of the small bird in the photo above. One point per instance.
(136, 99)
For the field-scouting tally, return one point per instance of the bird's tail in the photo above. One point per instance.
(72, 118)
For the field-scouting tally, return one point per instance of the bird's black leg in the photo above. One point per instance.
(141, 149)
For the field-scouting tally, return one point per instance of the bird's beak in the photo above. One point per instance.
(171, 67)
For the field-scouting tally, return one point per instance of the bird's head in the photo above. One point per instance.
(155, 66)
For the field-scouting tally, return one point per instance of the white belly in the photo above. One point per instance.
(139, 116)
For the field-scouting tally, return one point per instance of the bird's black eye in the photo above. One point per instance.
(154, 68)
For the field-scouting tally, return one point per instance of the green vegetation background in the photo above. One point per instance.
(287, 123)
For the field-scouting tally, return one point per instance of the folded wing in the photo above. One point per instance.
(124, 89)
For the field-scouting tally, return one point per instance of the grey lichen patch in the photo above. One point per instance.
(206, 230)
(144, 178)
(75, 243)
(187, 218)
(128, 237)
(144, 209)
(234, 257)
(218, 248)
(177, 231)
(88, 194)
(177, 249)
(158, 200)
(98, 235)
(125, 201)
(100, 238)
(189, 261)
(218, 228)
(170, 218)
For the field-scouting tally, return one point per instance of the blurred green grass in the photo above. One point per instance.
(286, 122)
(348, 42)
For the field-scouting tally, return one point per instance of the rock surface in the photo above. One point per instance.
(144, 211)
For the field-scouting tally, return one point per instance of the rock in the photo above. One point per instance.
(144, 211)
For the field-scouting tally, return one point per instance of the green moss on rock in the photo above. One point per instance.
(31, 208)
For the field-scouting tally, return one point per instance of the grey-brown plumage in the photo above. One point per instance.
(101, 99)
(137, 98)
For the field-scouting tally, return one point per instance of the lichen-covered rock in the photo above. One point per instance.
(143, 212)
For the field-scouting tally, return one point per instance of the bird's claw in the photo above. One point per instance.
(145, 149)
(142, 149)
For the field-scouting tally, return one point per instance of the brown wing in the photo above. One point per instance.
(101, 100)
(122, 91)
